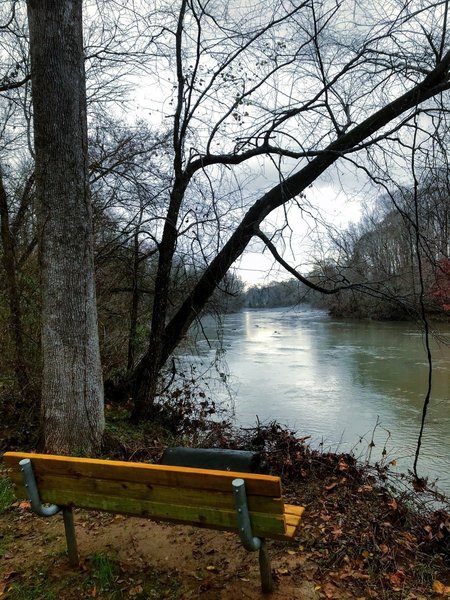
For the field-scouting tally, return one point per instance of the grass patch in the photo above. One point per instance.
(6, 494)
(38, 589)
(108, 580)
(104, 573)
(6, 542)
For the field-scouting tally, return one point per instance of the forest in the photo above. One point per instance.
(386, 275)
(157, 147)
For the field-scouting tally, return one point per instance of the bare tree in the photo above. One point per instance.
(11, 271)
(291, 88)
(310, 84)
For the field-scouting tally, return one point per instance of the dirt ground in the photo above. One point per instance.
(207, 564)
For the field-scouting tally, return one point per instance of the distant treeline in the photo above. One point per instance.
(234, 296)
(278, 293)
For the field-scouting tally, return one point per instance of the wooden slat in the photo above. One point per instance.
(50, 488)
(293, 516)
(263, 524)
(262, 485)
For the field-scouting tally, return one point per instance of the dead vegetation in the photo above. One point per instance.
(367, 532)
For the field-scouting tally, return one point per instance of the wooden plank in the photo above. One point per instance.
(50, 487)
(263, 524)
(293, 511)
(262, 485)
(293, 516)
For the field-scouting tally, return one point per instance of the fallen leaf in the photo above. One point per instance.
(330, 590)
(134, 591)
(336, 533)
(440, 588)
(359, 575)
(392, 503)
(365, 489)
(331, 486)
(396, 579)
(212, 568)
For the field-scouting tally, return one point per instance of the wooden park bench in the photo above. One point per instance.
(247, 503)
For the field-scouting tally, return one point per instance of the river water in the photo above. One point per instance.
(335, 379)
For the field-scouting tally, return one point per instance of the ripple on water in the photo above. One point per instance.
(333, 376)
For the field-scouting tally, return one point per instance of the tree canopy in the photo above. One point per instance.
(238, 110)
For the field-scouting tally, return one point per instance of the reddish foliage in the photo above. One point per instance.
(441, 288)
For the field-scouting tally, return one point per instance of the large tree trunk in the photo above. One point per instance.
(72, 389)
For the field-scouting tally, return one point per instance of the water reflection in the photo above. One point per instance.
(332, 378)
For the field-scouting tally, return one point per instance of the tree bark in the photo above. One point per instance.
(146, 376)
(135, 294)
(72, 389)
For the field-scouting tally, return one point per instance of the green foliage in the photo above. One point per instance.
(6, 494)
(38, 589)
(6, 543)
(104, 572)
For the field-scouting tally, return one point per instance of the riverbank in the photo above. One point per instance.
(359, 539)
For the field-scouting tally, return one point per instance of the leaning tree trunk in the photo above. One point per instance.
(72, 389)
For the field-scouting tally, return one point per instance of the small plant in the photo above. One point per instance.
(6, 494)
(103, 573)
(39, 589)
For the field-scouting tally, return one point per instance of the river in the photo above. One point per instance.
(335, 379)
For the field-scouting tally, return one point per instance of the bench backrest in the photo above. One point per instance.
(198, 496)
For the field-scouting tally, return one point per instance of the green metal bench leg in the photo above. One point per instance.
(265, 569)
(250, 542)
(72, 549)
(48, 511)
